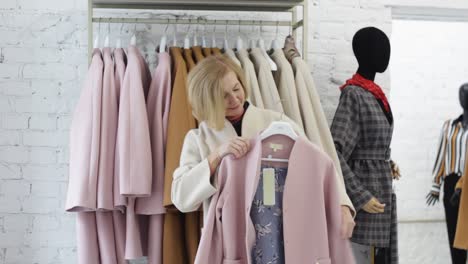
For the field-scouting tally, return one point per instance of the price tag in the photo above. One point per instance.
(269, 186)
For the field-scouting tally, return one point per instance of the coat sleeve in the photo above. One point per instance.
(339, 248)
(191, 180)
(439, 165)
(210, 249)
(345, 130)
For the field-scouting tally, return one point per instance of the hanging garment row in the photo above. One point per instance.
(127, 134)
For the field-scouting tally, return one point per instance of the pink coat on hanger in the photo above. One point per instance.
(311, 207)
(133, 139)
(158, 103)
(85, 141)
(120, 60)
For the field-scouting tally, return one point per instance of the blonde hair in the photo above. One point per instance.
(205, 91)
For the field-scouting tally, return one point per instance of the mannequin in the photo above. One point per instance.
(449, 175)
(362, 130)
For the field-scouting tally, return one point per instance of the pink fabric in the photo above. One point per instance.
(106, 239)
(311, 207)
(85, 141)
(136, 243)
(120, 60)
(109, 115)
(158, 103)
(155, 239)
(87, 241)
(119, 234)
(133, 137)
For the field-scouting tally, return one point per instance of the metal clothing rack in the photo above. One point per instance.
(290, 6)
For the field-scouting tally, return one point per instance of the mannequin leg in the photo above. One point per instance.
(362, 253)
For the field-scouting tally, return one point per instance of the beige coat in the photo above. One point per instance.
(284, 79)
(315, 124)
(191, 185)
(255, 96)
(270, 95)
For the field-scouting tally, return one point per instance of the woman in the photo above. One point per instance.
(217, 93)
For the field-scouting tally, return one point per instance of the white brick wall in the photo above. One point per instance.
(43, 60)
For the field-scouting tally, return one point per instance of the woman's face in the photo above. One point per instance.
(234, 96)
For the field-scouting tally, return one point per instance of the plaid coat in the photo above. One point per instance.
(362, 133)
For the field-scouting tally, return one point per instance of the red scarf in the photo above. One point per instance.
(370, 86)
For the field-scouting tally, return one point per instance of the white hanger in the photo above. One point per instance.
(96, 40)
(225, 41)
(261, 45)
(106, 40)
(163, 41)
(279, 128)
(275, 42)
(195, 35)
(133, 39)
(213, 37)
(239, 43)
(118, 43)
(174, 35)
(203, 36)
(187, 38)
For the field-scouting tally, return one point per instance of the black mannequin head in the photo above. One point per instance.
(463, 96)
(372, 50)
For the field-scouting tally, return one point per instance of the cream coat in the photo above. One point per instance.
(314, 120)
(270, 95)
(251, 78)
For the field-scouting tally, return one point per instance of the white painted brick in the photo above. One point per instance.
(6, 105)
(45, 139)
(9, 205)
(15, 188)
(67, 255)
(9, 70)
(43, 122)
(9, 137)
(54, 238)
(55, 5)
(14, 154)
(35, 55)
(40, 205)
(9, 171)
(12, 239)
(39, 155)
(45, 189)
(37, 104)
(17, 222)
(45, 222)
(35, 172)
(8, 4)
(46, 88)
(53, 71)
(63, 155)
(15, 87)
(64, 122)
(15, 121)
(32, 254)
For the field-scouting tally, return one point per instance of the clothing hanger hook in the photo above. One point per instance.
(108, 26)
(214, 27)
(167, 25)
(239, 26)
(277, 28)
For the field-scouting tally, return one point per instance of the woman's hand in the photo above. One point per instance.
(374, 206)
(347, 222)
(237, 146)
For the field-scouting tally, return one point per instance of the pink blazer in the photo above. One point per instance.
(158, 103)
(120, 60)
(311, 208)
(85, 141)
(109, 115)
(133, 139)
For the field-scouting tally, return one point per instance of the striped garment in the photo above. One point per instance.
(451, 152)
